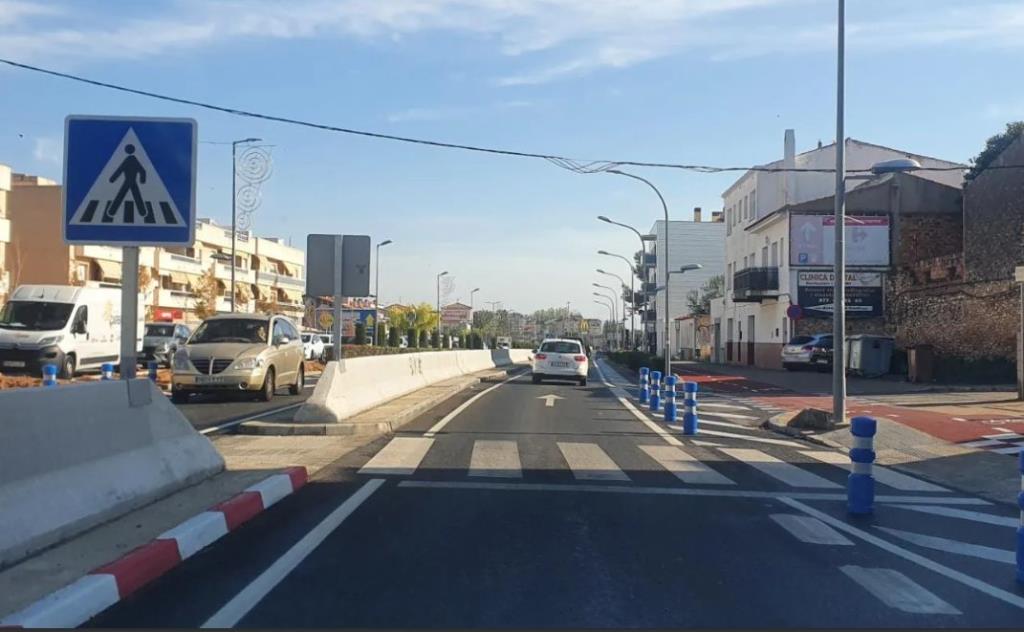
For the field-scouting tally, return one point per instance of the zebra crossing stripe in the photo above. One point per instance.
(497, 459)
(810, 530)
(898, 591)
(589, 462)
(400, 457)
(684, 466)
(779, 470)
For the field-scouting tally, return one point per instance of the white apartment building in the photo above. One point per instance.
(689, 242)
(761, 263)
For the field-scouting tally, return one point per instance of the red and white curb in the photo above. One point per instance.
(103, 587)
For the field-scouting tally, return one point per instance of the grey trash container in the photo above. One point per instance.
(869, 355)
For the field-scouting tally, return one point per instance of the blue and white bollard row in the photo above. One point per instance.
(670, 399)
(645, 384)
(1020, 527)
(690, 420)
(860, 490)
(50, 375)
(107, 371)
(655, 391)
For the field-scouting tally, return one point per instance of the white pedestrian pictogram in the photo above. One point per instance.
(128, 191)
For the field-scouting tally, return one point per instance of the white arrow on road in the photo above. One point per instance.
(549, 400)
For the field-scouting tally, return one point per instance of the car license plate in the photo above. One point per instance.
(14, 363)
(561, 365)
(210, 379)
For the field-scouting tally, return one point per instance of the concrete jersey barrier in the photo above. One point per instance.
(350, 386)
(75, 456)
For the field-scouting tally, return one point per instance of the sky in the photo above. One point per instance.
(713, 82)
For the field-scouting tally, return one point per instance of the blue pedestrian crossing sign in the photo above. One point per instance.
(129, 181)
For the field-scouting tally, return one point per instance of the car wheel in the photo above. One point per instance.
(68, 366)
(179, 397)
(583, 381)
(535, 379)
(300, 382)
(269, 386)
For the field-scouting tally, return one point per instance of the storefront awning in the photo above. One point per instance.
(179, 277)
(109, 269)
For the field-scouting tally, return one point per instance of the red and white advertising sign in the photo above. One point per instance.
(812, 240)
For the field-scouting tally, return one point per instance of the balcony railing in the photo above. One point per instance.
(755, 284)
(268, 278)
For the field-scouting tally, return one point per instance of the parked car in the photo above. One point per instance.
(560, 359)
(72, 327)
(808, 351)
(312, 345)
(253, 353)
(328, 349)
(161, 340)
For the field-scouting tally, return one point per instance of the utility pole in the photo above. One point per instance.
(839, 287)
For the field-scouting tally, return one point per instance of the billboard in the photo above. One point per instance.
(456, 314)
(812, 240)
(863, 294)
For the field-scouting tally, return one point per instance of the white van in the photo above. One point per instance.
(75, 328)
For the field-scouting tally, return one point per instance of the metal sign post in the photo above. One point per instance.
(338, 266)
(129, 182)
(338, 326)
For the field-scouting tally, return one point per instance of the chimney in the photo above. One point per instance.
(696, 213)
(788, 162)
(716, 216)
(819, 143)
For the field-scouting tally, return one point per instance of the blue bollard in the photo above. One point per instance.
(152, 369)
(49, 375)
(860, 489)
(690, 420)
(670, 399)
(655, 391)
(1020, 528)
(645, 384)
(107, 371)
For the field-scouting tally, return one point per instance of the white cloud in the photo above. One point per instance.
(48, 150)
(552, 39)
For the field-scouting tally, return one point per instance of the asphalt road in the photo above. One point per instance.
(499, 510)
(209, 412)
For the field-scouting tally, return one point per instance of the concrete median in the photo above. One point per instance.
(75, 456)
(349, 387)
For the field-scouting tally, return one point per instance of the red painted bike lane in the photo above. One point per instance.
(955, 428)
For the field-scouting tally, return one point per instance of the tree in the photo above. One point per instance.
(360, 334)
(394, 334)
(993, 147)
(424, 339)
(204, 301)
(269, 304)
(145, 279)
(412, 337)
(699, 301)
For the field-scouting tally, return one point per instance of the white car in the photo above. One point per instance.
(312, 345)
(560, 359)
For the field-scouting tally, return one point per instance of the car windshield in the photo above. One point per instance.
(305, 337)
(231, 330)
(35, 315)
(160, 331)
(801, 340)
(560, 347)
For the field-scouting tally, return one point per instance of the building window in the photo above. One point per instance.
(744, 263)
(775, 254)
(764, 257)
(782, 250)
(82, 272)
(728, 222)
(785, 329)
(753, 203)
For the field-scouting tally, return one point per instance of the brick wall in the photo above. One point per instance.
(925, 236)
(994, 219)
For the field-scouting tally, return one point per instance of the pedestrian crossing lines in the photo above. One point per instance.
(616, 462)
(1004, 442)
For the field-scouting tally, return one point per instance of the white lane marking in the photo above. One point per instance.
(676, 491)
(733, 435)
(810, 530)
(69, 607)
(706, 444)
(963, 514)
(436, 428)
(401, 456)
(726, 415)
(920, 560)
(898, 591)
(883, 475)
(954, 418)
(777, 469)
(495, 458)
(704, 404)
(953, 546)
(589, 462)
(661, 432)
(240, 605)
(723, 424)
(684, 466)
(1011, 450)
(232, 424)
(1003, 434)
(550, 399)
(197, 533)
(981, 443)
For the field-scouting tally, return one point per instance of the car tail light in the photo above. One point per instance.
(541, 356)
(580, 358)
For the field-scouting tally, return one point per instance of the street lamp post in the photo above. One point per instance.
(681, 270)
(611, 297)
(471, 293)
(661, 255)
(633, 272)
(439, 307)
(622, 301)
(611, 314)
(234, 214)
(376, 270)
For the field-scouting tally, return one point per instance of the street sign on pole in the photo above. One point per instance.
(129, 182)
(338, 266)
